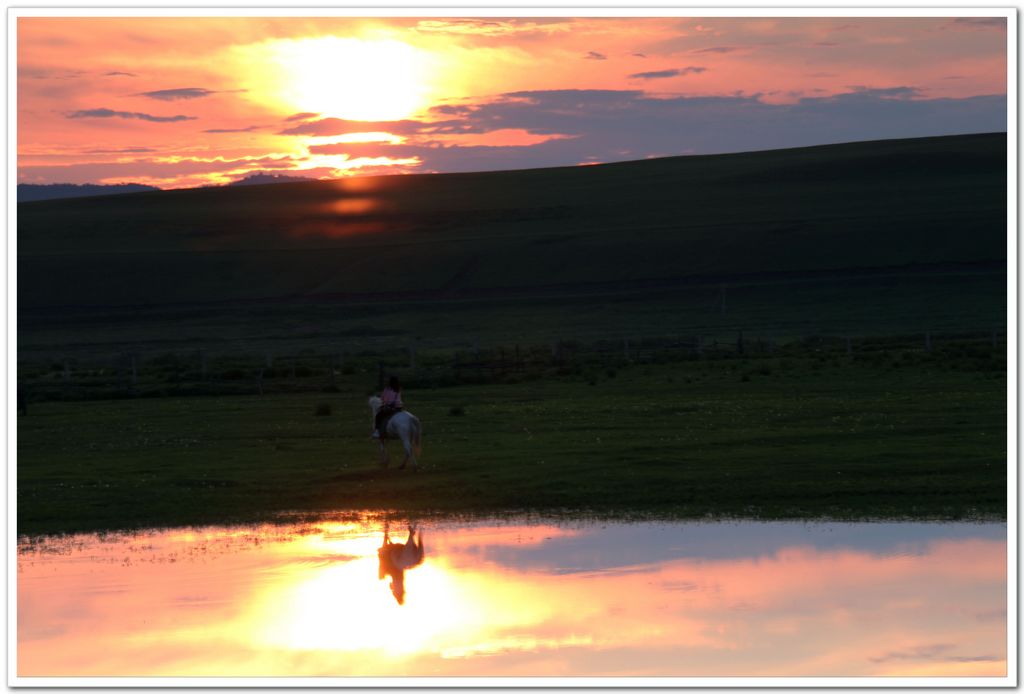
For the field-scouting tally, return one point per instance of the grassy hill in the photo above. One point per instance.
(876, 271)
(863, 237)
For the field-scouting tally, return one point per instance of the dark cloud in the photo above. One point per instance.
(492, 27)
(250, 129)
(991, 615)
(300, 116)
(122, 150)
(716, 49)
(935, 651)
(592, 125)
(117, 73)
(661, 74)
(612, 125)
(108, 113)
(338, 126)
(885, 93)
(926, 652)
(654, 75)
(594, 55)
(981, 22)
(638, 55)
(178, 94)
(39, 73)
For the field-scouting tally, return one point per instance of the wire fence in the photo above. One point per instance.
(140, 373)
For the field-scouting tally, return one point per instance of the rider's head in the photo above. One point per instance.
(393, 384)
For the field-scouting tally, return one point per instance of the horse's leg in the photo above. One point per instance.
(409, 454)
(384, 460)
(408, 451)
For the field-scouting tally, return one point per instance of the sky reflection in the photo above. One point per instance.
(502, 599)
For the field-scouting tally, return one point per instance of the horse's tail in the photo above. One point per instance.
(417, 432)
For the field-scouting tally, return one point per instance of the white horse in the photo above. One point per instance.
(402, 426)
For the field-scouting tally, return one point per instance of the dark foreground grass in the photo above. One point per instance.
(794, 438)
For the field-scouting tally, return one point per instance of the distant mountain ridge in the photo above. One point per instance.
(259, 179)
(30, 192)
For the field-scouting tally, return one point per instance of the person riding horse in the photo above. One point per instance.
(392, 403)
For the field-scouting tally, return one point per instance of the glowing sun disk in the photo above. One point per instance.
(353, 79)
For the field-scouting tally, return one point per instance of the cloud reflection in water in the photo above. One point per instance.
(503, 599)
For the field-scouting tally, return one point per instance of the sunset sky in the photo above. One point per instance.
(189, 101)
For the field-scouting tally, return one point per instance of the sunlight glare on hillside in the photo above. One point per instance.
(348, 78)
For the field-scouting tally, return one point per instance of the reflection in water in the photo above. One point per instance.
(395, 558)
(519, 599)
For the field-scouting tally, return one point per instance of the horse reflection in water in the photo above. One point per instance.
(395, 558)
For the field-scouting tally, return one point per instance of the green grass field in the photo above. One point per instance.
(903, 435)
(127, 304)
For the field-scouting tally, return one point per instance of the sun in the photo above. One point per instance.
(349, 78)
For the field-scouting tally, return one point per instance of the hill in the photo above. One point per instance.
(869, 236)
(29, 192)
(809, 333)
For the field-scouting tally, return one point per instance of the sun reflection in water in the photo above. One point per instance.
(505, 599)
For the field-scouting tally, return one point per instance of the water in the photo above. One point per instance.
(497, 598)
